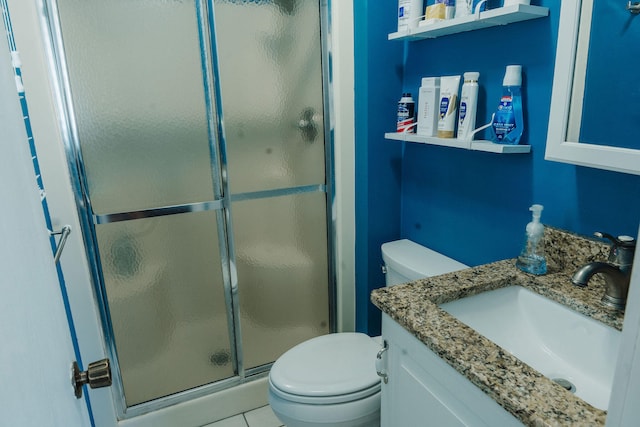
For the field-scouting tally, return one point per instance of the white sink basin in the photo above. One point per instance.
(551, 338)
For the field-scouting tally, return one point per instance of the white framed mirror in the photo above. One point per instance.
(582, 101)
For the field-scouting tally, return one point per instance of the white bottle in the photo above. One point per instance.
(464, 8)
(515, 2)
(409, 14)
(448, 106)
(468, 106)
(428, 98)
(449, 9)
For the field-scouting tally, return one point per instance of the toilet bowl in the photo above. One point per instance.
(331, 380)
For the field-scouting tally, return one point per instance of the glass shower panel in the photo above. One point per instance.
(281, 256)
(163, 279)
(271, 85)
(136, 81)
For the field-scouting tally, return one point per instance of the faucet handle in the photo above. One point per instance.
(626, 241)
(621, 241)
(622, 248)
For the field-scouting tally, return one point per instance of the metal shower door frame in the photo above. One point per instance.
(221, 203)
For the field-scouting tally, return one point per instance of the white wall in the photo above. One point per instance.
(36, 353)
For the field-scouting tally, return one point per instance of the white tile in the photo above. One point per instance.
(262, 417)
(237, 421)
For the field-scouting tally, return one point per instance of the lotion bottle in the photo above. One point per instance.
(508, 123)
(532, 258)
(428, 111)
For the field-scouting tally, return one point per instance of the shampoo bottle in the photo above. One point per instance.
(532, 258)
(468, 105)
(449, 86)
(508, 124)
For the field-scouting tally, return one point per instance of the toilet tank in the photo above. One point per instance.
(406, 261)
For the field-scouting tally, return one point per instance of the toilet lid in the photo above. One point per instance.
(329, 365)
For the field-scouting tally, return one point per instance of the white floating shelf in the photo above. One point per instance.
(490, 18)
(479, 145)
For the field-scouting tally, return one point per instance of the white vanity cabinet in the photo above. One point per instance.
(423, 390)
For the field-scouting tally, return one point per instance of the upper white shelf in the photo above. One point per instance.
(490, 18)
(480, 145)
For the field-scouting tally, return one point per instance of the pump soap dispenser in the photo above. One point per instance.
(532, 259)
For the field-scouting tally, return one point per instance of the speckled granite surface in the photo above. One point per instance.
(521, 390)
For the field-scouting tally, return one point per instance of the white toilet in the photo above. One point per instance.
(331, 380)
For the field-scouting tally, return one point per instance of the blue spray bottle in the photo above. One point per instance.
(508, 123)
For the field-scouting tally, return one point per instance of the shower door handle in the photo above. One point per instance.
(308, 124)
(97, 375)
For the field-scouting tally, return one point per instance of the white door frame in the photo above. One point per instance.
(40, 88)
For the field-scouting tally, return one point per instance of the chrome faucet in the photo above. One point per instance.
(616, 272)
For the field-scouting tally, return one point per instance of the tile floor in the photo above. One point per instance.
(261, 417)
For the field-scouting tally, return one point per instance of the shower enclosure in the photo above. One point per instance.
(197, 137)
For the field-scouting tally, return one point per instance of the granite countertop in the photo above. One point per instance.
(528, 395)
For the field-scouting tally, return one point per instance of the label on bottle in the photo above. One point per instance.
(463, 110)
(505, 121)
(444, 106)
(405, 117)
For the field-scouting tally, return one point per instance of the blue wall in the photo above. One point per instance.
(378, 83)
(472, 206)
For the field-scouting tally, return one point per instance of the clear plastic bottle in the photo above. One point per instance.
(508, 123)
(532, 258)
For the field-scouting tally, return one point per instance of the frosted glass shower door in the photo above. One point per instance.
(270, 61)
(164, 285)
(281, 254)
(207, 238)
(136, 78)
(271, 78)
(142, 123)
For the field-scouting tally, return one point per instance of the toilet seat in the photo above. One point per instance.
(329, 369)
(326, 400)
